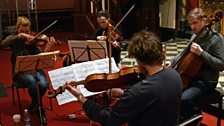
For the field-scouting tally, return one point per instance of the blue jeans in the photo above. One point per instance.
(30, 81)
(192, 93)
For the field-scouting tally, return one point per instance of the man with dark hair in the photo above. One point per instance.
(152, 101)
(102, 33)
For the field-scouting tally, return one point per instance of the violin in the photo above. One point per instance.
(114, 35)
(39, 40)
(111, 32)
(100, 82)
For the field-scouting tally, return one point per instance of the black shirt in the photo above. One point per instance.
(154, 101)
(115, 51)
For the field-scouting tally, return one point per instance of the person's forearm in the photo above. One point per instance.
(81, 99)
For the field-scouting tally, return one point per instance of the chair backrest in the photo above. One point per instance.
(195, 120)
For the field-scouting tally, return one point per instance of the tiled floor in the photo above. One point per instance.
(172, 49)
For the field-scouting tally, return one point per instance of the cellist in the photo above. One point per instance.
(153, 101)
(210, 49)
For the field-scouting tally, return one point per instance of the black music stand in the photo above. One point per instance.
(34, 63)
(87, 50)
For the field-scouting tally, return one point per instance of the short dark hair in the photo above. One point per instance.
(146, 47)
(103, 14)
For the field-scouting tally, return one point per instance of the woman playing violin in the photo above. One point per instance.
(103, 19)
(22, 44)
(153, 101)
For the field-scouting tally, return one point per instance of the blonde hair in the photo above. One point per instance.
(22, 21)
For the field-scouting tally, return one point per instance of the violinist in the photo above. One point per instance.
(153, 101)
(102, 33)
(22, 44)
(210, 49)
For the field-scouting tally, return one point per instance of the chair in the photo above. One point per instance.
(18, 97)
(192, 121)
(206, 104)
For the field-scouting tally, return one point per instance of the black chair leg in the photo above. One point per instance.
(20, 107)
(13, 95)
(219, 119)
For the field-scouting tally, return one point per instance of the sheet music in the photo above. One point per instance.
(102, 65)
(82, 70)
(58, 78)
(78, 72)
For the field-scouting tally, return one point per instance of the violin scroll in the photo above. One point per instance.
(61, 89)
(54, 93)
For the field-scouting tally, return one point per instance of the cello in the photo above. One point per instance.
(188, 64)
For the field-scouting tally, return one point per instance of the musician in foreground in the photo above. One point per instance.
(152, 101)
(22, 43)
(210, 49)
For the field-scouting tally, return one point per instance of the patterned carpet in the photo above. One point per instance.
(172, 49)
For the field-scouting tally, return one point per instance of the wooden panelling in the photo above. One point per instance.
(75, 15)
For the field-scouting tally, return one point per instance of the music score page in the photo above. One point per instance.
(78, 72)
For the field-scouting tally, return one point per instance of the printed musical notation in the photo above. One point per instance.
(78, 72)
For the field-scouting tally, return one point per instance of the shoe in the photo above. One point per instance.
(32, 107)
(43, 117)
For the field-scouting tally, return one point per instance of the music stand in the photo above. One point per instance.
(87, 50)
(34, 63)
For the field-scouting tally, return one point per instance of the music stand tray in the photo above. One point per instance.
(35, 62)
(87, 50)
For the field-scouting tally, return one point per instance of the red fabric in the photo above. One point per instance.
(60, 114)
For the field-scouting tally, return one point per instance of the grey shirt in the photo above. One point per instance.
(212, 56)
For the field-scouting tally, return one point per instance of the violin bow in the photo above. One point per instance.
(45, 29)
(110, 36)
(124, 17)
